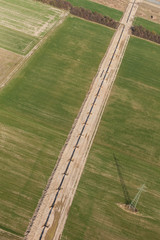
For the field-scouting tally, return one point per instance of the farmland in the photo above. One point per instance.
(29, 16)
(151, 26)
(16, 41)
(37, 110)
(8, 60)
(95, 7)
(38, 107)
(22, 23)
(129, 129)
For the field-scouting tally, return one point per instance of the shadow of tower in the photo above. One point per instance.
(123, 185)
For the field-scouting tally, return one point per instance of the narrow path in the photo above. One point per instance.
(51, 217)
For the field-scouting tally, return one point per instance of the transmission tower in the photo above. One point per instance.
(134, 202)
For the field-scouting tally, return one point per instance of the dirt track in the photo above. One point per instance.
(52, 214)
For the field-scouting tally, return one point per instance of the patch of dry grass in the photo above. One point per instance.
(8, 61)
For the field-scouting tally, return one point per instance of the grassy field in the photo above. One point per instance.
(8, 61)
(155, 27)
(113, 13)
(27, 16)
(23, 22)
(37, 110)
(130, 129)
(16, 41)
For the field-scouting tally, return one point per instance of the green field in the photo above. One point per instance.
(27, 16)
(151, 26)
(37, 110)
(130, 129)
(16, 41)
(95, 7)
(23, 22)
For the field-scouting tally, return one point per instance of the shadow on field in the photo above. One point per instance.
(123, 185)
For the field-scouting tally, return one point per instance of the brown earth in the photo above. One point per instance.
(117, 4)
(125, 208)
(8, 61)
(145, 10)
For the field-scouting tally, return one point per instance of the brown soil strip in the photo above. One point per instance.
(117, 4)
(8, 61)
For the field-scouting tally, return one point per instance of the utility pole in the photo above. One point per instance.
(132, 206)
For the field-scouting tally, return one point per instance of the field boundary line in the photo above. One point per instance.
(33, 50)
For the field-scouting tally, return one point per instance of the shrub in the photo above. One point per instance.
(83, 13)
(142, 32)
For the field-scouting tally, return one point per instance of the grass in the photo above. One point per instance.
(151, 26)
(15, 41)
(95, 7)
(27, 16)
(37, 110)
(8, 60)
(130, 129)
(23, 23)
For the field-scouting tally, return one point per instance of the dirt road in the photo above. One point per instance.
(51, 216)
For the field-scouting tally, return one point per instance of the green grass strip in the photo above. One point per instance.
(16, 41)
(95, 7)
(151, 26)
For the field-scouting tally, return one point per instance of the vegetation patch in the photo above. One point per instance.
(83, 12)
(27, 16)
(146, 29)
(16, 41)
(8, 60)
(9, 236)
(142, 32)
(23, 22)
(95, 7)
(130, 129)
(37, 110)
(151, 26)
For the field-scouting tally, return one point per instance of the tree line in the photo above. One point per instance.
(83, 13)
(87, 14)
(142, 32)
